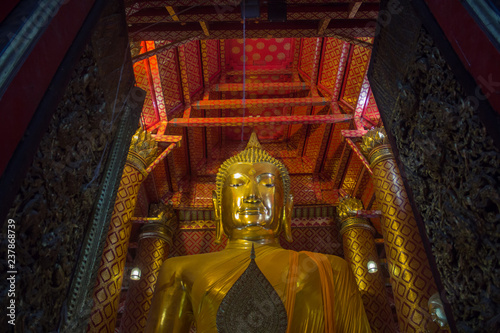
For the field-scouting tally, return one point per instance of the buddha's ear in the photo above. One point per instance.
(218, 221)
(287, 218)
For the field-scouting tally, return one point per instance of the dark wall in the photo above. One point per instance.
(59, 196)
(450, 161)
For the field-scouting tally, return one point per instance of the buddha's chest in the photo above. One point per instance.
(298, 287)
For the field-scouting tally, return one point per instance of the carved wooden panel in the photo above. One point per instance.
(451, 164)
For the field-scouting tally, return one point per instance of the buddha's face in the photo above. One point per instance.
(252, 198)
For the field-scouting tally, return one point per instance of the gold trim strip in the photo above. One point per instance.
(355, 222)
(156, 230)
(379, 154)
(136, 161)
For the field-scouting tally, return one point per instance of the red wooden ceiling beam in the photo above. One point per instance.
(214, 14)
(230, 30)
(251, 26)
(222, 3)
(167, 138)
(258, 103)
(261, 72)
(163, 48)
(261, 86)
(256, 121)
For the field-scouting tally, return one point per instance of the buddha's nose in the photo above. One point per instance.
(252, 194)
(251, 199)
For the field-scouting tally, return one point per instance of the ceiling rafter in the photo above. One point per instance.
(204, 27)
(162, 49)
(171, 13)
(249, 72)
(323, 24)
(229, 30)
(214, 14)
(259, 103)
(354, 8)
(222, 3)
(255, 121)
(282, 86)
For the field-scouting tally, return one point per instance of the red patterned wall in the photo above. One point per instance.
(368, 194)
(371, 111)
(213, 58)
(360, 59)
(177, 159)
(315, 138)
(309, 234)
(362, 183)
(263, 53)
(307, 53)
(332, 50)
(334, 152)
(193, 67)
(172, 92)
(156, 82)
(351, 176)
(149, 117)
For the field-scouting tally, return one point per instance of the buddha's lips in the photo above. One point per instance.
(250, 211)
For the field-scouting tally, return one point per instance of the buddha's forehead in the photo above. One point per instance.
(251, 169)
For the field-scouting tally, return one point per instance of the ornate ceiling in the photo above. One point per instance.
(301, 85)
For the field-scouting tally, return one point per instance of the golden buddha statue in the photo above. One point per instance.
(268, 289)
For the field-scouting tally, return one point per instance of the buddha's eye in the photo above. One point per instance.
(236, 185)
(266, 180)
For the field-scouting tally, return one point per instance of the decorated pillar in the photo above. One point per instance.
(155, 240)
(106, 295)
(359, 251)
(411, 276)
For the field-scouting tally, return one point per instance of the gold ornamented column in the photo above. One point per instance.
(411, 276)
(155, 240)
(359, 249)
(106, 295)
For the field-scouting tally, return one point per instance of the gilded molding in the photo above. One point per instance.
(355, 222)
(137, 162)
(379, 154)
(376, 146)
(143, 150)
(163, 226)
(347, 215)
(157, 230)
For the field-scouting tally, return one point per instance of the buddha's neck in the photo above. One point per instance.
(247, 244)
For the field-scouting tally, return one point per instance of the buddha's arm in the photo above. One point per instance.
(171, 307)
(351, 316)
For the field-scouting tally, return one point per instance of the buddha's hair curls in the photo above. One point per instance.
(252, 154)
